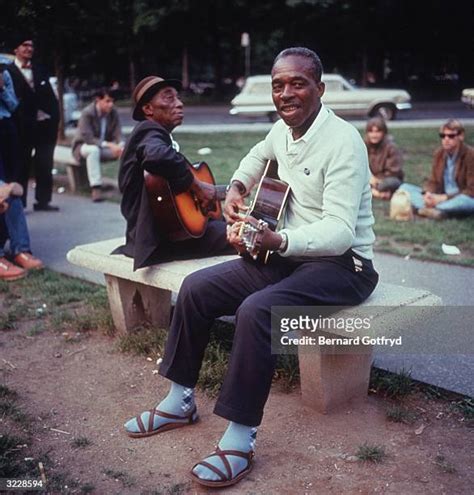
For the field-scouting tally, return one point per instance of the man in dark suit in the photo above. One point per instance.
(37, 119)
(152, 148)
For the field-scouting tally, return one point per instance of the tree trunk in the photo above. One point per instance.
(132, 73)
(216, 42)
(185, 68)
(59, 70)
(364, 67)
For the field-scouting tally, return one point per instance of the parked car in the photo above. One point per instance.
(70, 100)
(70, 103)
(467, 97)
(255, 99)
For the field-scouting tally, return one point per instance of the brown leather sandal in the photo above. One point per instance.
(225, 478)
(191, 418)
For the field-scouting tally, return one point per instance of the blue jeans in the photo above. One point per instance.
(462, 204)
(13, 226)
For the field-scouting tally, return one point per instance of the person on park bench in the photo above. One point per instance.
(321, 256)
(152, 148)
(98, 139)
(450, 189)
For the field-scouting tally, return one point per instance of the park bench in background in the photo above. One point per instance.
(76, 171)
(328, 380)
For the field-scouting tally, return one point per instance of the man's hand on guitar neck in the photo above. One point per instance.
(234, 203)
(268, 241)
(205, 194)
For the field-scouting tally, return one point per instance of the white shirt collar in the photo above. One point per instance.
(19, 64)
(174, 144)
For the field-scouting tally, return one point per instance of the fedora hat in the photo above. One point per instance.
(146, 89)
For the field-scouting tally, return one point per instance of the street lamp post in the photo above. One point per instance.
(245, 43)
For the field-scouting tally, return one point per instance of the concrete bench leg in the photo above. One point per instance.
(77, 177)
(133, 304)
(330, 380)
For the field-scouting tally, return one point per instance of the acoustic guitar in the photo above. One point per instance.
(265, 211)
(180, 216)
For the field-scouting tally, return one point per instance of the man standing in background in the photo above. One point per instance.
(37, 119)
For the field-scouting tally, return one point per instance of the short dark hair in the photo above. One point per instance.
(101, 93)
(301, 51)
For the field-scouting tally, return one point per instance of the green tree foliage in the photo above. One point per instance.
(399, 41)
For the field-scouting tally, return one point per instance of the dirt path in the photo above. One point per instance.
(86, 389)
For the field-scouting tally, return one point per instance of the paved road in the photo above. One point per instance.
(80, 221)
(219, 114)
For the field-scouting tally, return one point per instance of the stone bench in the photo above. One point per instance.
(76, 171)
(328, 379)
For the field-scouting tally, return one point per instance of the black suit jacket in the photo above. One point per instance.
(148, 148)
(30, 100)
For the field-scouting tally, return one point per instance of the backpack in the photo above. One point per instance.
(400, 206)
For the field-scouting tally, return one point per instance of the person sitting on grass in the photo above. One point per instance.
(385, 159)
(13, 226)
(450, 188)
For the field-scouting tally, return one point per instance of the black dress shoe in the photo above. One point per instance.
(45, 207)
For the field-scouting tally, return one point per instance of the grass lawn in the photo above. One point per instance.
(421, 238)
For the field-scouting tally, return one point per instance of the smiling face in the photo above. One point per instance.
(165, 108)
(296, 93)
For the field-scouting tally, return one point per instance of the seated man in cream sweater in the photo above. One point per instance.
(322, 256)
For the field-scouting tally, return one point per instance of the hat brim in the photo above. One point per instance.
(150, 92)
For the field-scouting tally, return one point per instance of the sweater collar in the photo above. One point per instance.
(323, 114)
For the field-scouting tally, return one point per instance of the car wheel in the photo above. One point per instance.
(273, 116)
(385, 110)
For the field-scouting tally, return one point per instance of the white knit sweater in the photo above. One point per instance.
(330, 204)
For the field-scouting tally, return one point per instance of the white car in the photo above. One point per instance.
(467, 97)
(255, 99)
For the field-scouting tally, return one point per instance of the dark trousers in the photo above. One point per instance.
(212, 243)
(40, 136)
(390, 184)
(9, 150)
(249, 290)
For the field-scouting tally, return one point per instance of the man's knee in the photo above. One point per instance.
(193, 284)
(90, 150)
(253, 307)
